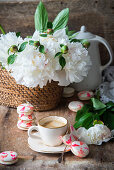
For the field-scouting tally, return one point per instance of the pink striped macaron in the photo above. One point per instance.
(67, 139)
(75, 106)
(21, 124)
(73, 132)
(26, 117)
(85, 95)
(80, 149)
(25, 108)
(8, 157)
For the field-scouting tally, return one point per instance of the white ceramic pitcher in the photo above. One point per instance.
(94, 77)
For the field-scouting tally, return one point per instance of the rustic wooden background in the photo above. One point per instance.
(97, 15)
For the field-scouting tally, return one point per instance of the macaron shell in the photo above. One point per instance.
(68, 92)
(73, 132)
(25, 108)
(26, 117)
(75, 106)
(8, 156)
(24, 124)
(68, 139)
(25, 121)
(22, 128)
(9, 163)
(85, 95)
(68, 95)
(80, 149)
(25, 113)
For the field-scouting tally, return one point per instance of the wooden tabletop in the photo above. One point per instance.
(12, 138)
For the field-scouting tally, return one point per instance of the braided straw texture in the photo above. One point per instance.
(12, 94)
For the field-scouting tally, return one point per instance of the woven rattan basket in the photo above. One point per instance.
(12, 94)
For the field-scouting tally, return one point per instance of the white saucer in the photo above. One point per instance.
(37, 145)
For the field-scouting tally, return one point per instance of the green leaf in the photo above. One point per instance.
(8, 50)
(101, 111)
(3, 68)
(28, 36)
(61, 20)
(85, 109)
(110, 104)
(108, 119)
(43, 35)
(41, 49)
(58, 54)
(83, 120)
(61, 45)
(112, 110)
(18, 34)
(98, 95)
(73, 36)
(97, 104)
(75, 40)
(88, 123)
(22, 46)
(2, 30)
(41, 18)
(66, 30)
(11, 59)
(62, 61)
(2, 65)
(49, 25)
(96, 117)
(31, 42)
(70, 33)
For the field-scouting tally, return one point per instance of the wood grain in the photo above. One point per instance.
(12, 138)
(97, 15)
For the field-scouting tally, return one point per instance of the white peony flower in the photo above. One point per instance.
(6, 41)
(77, 65)
(61, 36)
(32, 68)
(95, 135)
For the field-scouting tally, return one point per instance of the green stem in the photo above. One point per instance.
(2, 30)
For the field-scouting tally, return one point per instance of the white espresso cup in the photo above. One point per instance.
(50, 128)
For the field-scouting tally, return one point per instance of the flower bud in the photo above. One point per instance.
(64, 49)
(85, 43)
(50, 31)
(13, 49)
(36, 43)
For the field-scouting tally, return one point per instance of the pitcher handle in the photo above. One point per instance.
(106, 44)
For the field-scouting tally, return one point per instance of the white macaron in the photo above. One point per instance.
(85, 95)
(75, 106)
(25, 108)
(80, 149)
(68, 92)
(8, 157)
(23, 125)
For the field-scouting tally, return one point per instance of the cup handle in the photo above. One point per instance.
(30, 131)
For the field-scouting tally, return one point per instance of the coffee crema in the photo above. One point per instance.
(53, 124)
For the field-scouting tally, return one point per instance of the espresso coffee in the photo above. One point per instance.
(53, 124)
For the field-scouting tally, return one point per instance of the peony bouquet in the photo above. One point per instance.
(51, 53)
